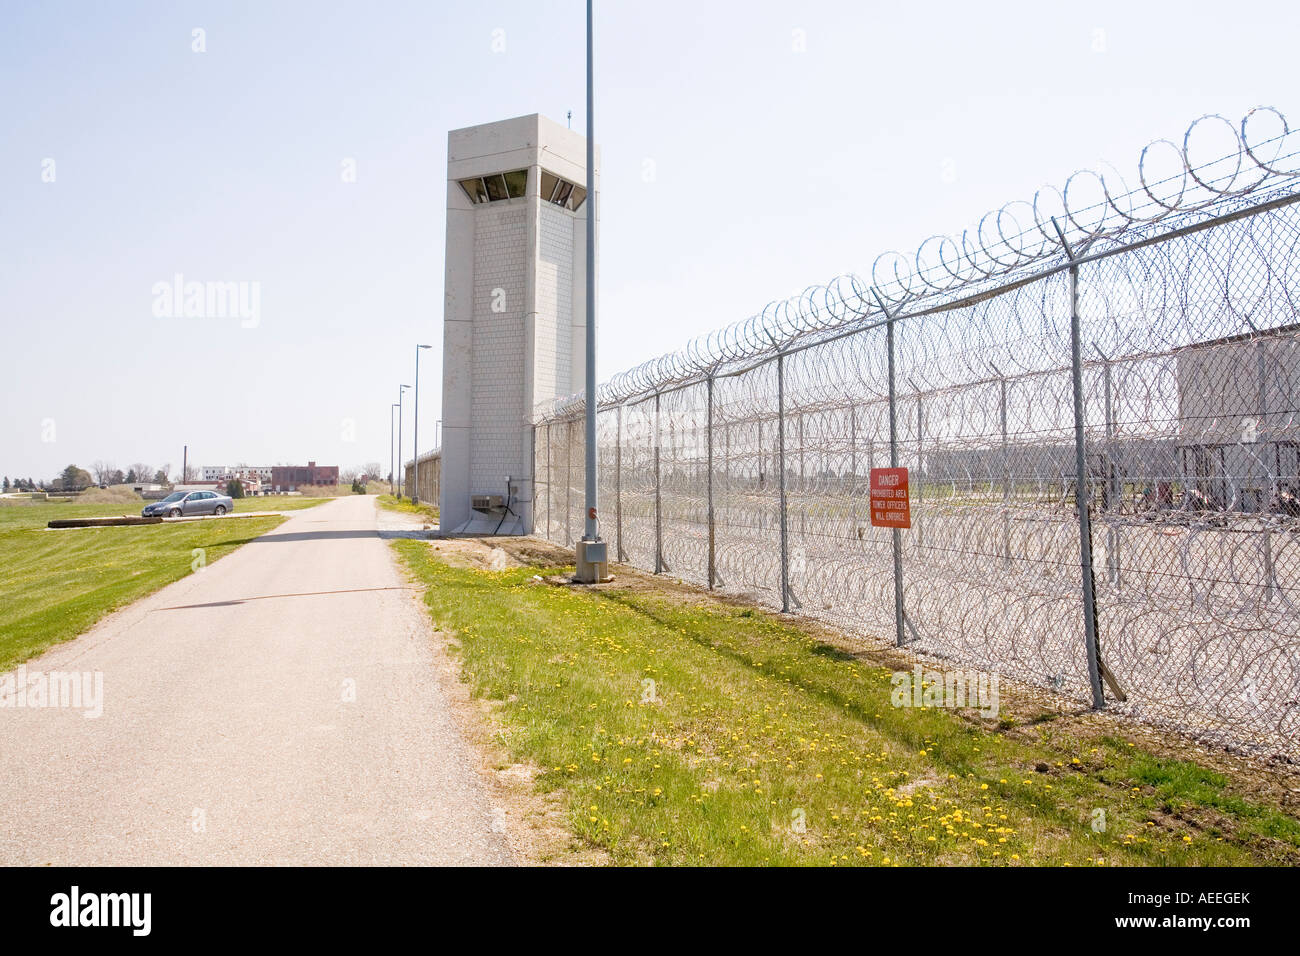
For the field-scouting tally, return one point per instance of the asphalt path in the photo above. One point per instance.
(280, 706)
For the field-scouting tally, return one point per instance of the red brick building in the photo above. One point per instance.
(289, 477)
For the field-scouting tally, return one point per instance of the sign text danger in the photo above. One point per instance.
(890, 505)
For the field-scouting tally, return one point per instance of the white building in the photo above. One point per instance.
(224, 472)
(513, 324)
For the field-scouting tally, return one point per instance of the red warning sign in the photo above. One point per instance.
(890, 506)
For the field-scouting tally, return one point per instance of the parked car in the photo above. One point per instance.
(185, 503)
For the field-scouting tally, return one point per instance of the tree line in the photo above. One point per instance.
(102, 474)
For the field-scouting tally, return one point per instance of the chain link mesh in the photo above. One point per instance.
(1189, 332)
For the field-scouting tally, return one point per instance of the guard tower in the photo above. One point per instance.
(514, 319)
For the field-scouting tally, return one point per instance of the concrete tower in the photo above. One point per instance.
(513, 322)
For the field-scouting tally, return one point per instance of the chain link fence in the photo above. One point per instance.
(1098, 414)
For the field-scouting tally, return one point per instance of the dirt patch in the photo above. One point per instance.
(481, 554)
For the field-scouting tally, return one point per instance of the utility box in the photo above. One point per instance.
(592, 563)
(514, 332)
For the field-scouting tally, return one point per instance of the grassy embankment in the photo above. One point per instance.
(759, 743)
(404, 505)
(56, 584)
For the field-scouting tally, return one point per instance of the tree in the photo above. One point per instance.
(5, 486)
(143, 472)
(115, 477)
(102, 470)
(131, 479)
(75, 479)
(160, 476)
(235, 488)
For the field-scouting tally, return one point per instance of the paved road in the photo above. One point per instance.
(227, 736)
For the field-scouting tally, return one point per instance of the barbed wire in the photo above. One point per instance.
(1174, 180)
(733, 470)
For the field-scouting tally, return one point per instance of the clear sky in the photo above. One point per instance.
(750, 149)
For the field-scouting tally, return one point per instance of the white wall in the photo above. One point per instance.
(499, 365)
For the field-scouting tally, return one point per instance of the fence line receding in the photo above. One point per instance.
(1135, 351)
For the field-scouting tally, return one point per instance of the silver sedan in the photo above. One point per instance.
(185, 503)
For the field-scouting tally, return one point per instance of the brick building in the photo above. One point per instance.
(289, 477)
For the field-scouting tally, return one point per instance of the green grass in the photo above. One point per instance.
(404, 505)
(56, 584)
(755, 727)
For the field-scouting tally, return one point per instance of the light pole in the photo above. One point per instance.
(592, 558)
(401, 390)
(392, 451)
(415, 498)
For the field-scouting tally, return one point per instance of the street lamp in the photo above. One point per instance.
(401, 390)
(415, 498)
(392, 450)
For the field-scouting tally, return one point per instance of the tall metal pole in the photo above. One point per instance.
(591, 527)
(415, 498)
(401, 390)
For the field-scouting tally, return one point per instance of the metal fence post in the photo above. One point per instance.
(659, 518)
(726, 468)
(1006, 467)
(853, 449)
(709, 485)
(920, 470)
(780, 467)
(568, 481)
(1081, 485)
(550, 488)
(619, 553)
(899, 638)
(1113, 491)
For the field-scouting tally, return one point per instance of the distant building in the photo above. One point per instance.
(1238, 430)
(290, 477)
(226, 472)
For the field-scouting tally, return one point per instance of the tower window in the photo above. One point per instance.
(561, 191)
(512, 185)
(495, 187)
(516, 182)
(475, 190)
